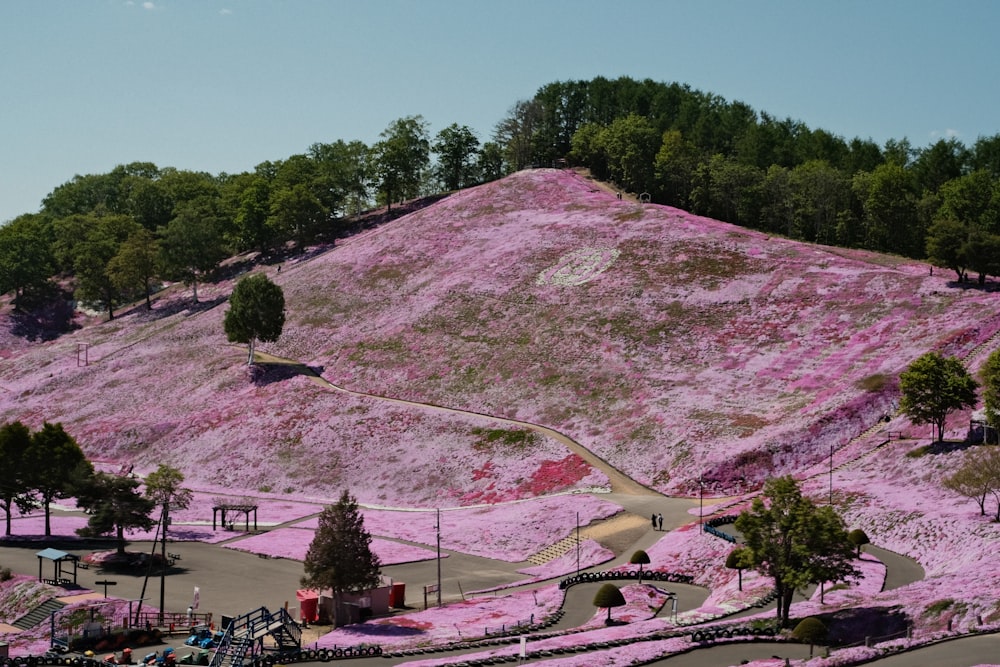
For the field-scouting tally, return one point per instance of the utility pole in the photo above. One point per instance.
(439, 555)
(163, 564)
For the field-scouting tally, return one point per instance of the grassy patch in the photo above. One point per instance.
(509, 441)
(873, 383)
(936, 608)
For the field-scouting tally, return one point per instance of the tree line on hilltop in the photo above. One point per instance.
(118, 235)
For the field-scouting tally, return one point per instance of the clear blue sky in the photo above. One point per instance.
(222, 85)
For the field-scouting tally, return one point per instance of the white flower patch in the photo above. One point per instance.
(578, 267)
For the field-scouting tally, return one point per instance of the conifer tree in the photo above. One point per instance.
(340, 556)
(256, 311)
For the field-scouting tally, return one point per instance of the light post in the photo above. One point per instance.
(578, 543)
(831, 473)
(701, 503)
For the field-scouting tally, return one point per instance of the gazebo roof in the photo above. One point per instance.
(56, 555)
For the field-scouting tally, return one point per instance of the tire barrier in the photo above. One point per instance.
(648, 575)
(717, 521)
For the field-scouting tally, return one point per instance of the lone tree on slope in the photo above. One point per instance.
(933, 387)
(340, 556)
(256, 312)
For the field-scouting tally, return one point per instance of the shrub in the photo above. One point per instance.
(6, 574)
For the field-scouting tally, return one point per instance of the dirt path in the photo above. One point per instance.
(620, 482)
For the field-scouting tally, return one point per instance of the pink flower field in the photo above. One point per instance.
(424, 358)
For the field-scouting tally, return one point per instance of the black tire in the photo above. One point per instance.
(338, 653)
(323, 654)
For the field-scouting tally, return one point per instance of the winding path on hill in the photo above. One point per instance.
(633, 530)
(620, 483)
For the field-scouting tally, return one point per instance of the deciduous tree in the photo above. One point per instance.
(15, 487)
(55, 460)
(136, 264)
(933, 387)
(456, 148)
(794, 542)
(192, 244)
(113, 503)
(400, 159)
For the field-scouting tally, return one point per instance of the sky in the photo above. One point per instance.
(223, 85)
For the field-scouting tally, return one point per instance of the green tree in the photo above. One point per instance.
(989, 375)
(15, 487)
(933, 387)
(297, 214)
(889, 210)
(631, 145)
(88, 244)
(639, 558)
(673, 168)
(340, 556)
(945, 245)
(607, 597)
(247, 200)
(978, 477)
(256, 312)
(346, 168)
(982, 253)
(738, 559)
(113, 503)
(515, 134)
(859, 539)
(136, 264)
(400, 159)
(163, 487)
(456, 148)
(794, 542)
(26, 261)
(811, 631)
(55, 460)
(192, 244)
(489, 162)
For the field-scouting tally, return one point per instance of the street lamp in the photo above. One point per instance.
(831, 473)
(701, 503)
(578, 544)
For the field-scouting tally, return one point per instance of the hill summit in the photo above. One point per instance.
(668, 344)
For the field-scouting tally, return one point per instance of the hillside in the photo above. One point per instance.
(670, 345)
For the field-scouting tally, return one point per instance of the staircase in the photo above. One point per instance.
(244, 638)
(553, 551)
(39, 614)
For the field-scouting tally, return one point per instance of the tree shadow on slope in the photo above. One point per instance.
(854, 626)
(45, 321)
(265, 373)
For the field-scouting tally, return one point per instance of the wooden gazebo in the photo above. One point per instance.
(233, 509)
(58, 558)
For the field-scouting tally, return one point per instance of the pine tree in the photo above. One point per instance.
(340, 556)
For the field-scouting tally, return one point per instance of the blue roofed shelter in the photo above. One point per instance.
(58, 558)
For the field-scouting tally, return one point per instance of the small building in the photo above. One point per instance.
(319, 607)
